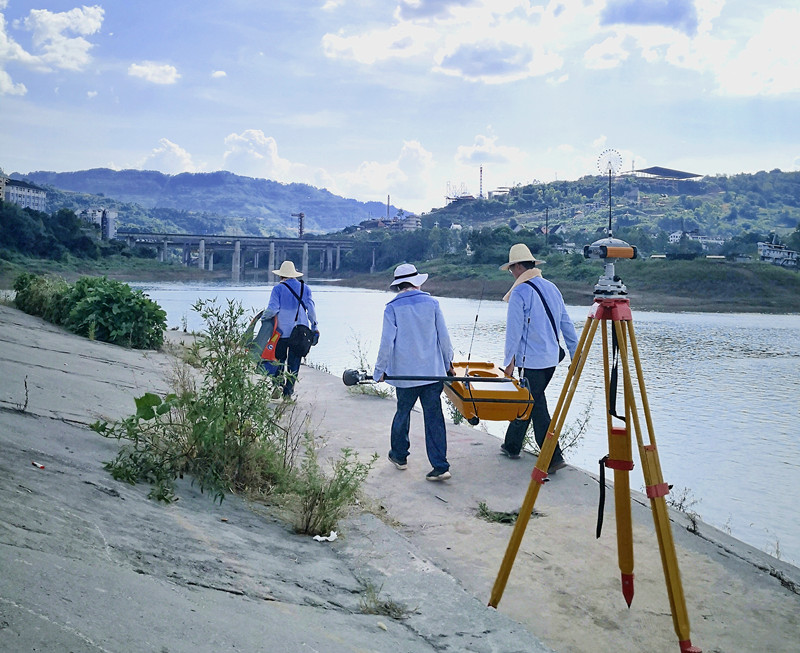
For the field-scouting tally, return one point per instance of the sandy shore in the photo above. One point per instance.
(89, 564)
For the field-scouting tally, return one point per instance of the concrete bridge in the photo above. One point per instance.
(244, 248)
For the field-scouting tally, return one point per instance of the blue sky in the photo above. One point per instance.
(406, 98)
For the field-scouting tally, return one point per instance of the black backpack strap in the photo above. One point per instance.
(546, 308)
(299, 298)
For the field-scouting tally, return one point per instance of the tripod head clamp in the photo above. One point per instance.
(608, 249)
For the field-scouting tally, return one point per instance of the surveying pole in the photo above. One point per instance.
(611, 308)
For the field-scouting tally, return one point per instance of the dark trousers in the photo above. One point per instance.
(290, 366)
(429, 396)
(515, 434)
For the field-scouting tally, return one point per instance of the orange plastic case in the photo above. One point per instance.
(490, 401)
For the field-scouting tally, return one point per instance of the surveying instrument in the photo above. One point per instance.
(611, 308)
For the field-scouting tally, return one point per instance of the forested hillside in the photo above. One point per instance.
(719, 206)
(217, 202)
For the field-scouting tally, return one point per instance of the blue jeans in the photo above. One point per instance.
(429, 396)
(540, 416)
(290, 365)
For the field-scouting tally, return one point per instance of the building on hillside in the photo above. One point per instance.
(705, 241)
(501, 191)
(553, 230)
(412, 223)
(373, 223)
(106, 220)
(24, 194)
(566, 248)
(777, 255)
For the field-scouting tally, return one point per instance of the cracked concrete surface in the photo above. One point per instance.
(89, 564)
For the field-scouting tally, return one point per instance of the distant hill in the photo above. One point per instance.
(719, 206)
(224, 194)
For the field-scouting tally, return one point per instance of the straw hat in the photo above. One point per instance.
(407, 273)
(287, 271)
(520, 253)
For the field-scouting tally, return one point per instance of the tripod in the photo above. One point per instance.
(611, 306)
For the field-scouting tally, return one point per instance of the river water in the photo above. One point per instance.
(723, 392)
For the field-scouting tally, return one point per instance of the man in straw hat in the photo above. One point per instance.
(415, 342)
(292, 302)
(536, 320)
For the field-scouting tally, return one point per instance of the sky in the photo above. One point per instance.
(414, 100)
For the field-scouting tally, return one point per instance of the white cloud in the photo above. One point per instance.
(486, 150)
(168, 158)
(768, 64)
(49, 35)
(501, 41)
(8, 87)
(254, 154)
(54, 49)
(154, 72)
(407, 179)
(608, 54)
(91, 94)
(218, 73)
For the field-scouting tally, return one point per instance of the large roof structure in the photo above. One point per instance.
(657, 172)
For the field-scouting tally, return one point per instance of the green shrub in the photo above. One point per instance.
(41, 296)
(229, 436)
(94, 307)
(325, 499)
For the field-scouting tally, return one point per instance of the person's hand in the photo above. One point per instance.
(509, 371)
(382, 377)
(451, 370)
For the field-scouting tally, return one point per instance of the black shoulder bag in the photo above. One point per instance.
(561, 352)
(301, 338)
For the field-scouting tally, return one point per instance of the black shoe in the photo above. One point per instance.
(506, 452)
(397, 463)
(554, 467)
(438, 475)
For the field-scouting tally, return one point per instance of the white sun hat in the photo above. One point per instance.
(407, 273)
(520, 253)
(287, 271)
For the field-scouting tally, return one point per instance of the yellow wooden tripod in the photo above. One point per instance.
(611, 307)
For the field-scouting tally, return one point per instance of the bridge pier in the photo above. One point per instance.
(236, 263)
(201, 254)
(271, 276)
(304, 264)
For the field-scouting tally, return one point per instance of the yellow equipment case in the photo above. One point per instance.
(491, 401)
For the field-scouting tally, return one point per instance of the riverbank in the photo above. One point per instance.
(667, 286)
(89, 564)
(653, 285)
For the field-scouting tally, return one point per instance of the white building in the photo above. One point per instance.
(412, 223)
(777, 255)
(106, 220)
(24, 194)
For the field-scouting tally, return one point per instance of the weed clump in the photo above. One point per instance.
(222, 427)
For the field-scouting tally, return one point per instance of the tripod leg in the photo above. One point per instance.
(539, 473)
(620, 459)
(656, 490)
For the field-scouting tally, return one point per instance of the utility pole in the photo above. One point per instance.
(546, 226)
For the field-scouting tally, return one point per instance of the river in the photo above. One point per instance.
(723, 391)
